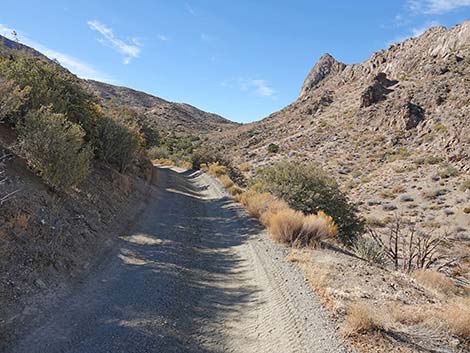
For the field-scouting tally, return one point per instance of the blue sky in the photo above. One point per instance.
(241, 59)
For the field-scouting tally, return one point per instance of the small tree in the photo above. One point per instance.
(55, 148)
(309, 189)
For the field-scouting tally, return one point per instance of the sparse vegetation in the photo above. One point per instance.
(435, 280)
(273, 148)
(309, 189)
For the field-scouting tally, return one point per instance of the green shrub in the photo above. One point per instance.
(12, 99)
(49, 84)
(158, 153)
(309, 189)
(368, 250)
(55, 148)
(273, 148)
(465, 185)
(207, 156)
(448, 172)
(116, 141)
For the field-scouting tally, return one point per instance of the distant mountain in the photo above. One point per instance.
(164, 115)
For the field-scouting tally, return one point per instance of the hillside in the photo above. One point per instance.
(159, 113)
(394, 130)
(175, 117)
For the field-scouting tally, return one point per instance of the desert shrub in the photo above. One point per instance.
(55, 148)
(309, 189)
(158, 153)
(448, 172)
(12, 98)
(368, 250)
(116, 141)
(435, 280)
(204, 155)
(49, 84)
(286, 225)
(465, 185)
(273, 148)
(217, 170)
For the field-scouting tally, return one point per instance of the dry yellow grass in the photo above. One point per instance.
(20, 221)
(436, 281)
(332, 227)
(256, 203)
(235, 190)
(456, 314)
(363, 318)
(226, 181)
(217, 170)
(185, 164)
(164, 162)
(286, 225)
(245, 167)
(314, 230)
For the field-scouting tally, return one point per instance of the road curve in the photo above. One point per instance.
(195, 275)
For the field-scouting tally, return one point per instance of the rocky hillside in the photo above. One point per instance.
(175, 117)
(394, 130)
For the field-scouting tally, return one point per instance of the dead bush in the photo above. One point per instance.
(435, 280)
(407, 248)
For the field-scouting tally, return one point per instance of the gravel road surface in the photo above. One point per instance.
(194, 275)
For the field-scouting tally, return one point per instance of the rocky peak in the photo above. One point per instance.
(326, 66)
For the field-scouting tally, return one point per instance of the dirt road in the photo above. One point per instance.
(194, 275)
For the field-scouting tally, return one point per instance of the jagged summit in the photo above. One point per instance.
(324, 67)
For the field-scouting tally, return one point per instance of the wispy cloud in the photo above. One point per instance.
(163, 38)
(255, 86)
(436, 6)
(75, 65)
(189, 8)
(128, 50)
(207, 37)
(415, 32)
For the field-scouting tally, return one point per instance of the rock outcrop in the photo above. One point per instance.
(326, 65)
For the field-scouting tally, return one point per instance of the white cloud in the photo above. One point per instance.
(256, 86)
(436, 6)
(262, 88)
(75, 65)
(415, 32)
(128, 50)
